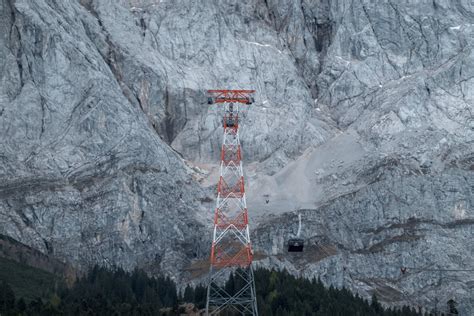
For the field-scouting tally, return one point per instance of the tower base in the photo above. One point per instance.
(235, 297)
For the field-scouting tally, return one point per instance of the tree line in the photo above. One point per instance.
(117, 292)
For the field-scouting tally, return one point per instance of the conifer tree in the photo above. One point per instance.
(7, 297)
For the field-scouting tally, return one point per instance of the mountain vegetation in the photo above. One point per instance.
(117, 292)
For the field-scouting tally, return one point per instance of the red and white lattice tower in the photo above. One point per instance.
(231, 249)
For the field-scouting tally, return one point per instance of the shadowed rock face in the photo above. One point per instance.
(363, 121)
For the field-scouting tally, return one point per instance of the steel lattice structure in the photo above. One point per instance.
(231, 249)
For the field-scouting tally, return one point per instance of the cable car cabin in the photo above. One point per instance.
(295, 245)
(209, 101)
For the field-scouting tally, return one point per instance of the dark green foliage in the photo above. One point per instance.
(200, 295)
(101, 292)
(280, 293)
(28, 282)
(7, 297)
(188, 294)
(105, 292)
(452, 307)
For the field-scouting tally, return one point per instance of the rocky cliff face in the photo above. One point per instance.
(84, 174)
(363, 123)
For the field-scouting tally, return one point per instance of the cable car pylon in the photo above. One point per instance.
(231, 250)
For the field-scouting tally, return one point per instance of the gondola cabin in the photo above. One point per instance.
(295, 245)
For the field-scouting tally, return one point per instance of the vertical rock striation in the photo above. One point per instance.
(363, 123)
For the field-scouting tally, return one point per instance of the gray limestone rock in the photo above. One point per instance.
(84, 175)
(363, 123)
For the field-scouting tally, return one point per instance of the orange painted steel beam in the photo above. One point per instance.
(224, 96)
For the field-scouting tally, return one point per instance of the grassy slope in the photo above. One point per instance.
(28, 282)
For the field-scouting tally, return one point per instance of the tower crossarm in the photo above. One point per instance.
(226, 96)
